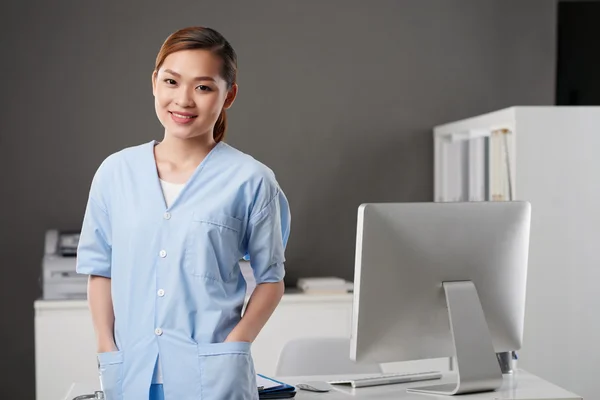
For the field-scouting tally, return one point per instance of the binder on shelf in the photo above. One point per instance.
(476, 165)
(500, 172)
(453, 160)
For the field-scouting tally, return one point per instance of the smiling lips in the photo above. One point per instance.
(182, 118)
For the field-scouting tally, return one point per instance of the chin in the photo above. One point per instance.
(181, 135)
(185, 133)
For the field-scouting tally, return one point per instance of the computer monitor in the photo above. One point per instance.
(441, 280)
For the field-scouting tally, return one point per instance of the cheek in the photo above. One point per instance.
(161, 107)
(211, 104)
(209, 112)
(161, 99)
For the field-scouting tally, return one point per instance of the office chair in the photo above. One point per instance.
(320, 356)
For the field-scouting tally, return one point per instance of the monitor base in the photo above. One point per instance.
(476, 362)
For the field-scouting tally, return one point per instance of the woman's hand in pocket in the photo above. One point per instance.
(107, 346)
(234, 338)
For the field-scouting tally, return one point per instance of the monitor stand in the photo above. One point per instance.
(476, 362)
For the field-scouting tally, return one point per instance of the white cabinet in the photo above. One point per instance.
(65, 344)
(65, 347)
(300, 315)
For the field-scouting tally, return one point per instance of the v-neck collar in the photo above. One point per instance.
(156, 178)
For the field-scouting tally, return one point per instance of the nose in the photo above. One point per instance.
(185, 97)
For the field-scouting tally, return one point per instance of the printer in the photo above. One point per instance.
(60, 281)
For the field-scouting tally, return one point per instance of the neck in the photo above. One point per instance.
(182, 152)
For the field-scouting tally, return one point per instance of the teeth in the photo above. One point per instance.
(182, 116)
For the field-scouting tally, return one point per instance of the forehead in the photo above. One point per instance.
(193, 63)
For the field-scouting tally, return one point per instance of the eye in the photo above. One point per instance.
(170, 81)
(204, 88)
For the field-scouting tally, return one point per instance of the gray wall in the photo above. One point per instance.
(338, 97)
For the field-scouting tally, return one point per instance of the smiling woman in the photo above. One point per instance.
(165, 228)
(194, 84)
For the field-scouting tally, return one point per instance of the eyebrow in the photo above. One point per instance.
(198, 78)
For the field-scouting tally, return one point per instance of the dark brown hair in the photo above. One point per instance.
(197, 37)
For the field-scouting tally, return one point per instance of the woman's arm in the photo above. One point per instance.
(262, 303)
(101, 308)
(267, 235)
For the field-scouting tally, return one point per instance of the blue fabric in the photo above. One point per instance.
(156, 392)
(177, 289)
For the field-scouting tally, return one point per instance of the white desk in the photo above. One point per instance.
(521, 385)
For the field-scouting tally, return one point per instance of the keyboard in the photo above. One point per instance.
(388, 379)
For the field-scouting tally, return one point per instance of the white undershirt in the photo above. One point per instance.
(170, 193)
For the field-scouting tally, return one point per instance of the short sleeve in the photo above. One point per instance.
(94, 251)
(268, 232)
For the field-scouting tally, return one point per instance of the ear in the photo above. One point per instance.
(154, 75)
(231, 95)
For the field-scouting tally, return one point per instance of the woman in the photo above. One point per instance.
(164, 228)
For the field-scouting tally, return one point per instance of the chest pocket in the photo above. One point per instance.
(213, 246)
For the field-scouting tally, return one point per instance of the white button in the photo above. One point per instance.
(163, 253)
(161, 292)
(158, 331)
(167, 215)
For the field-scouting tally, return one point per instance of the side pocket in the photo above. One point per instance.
(110, 365)
(227, 371)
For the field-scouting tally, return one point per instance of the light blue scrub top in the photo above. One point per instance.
(177, 289)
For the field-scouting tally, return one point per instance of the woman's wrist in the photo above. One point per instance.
(233, 337)
(106, 345)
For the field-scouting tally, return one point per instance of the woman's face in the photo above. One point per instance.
(189, 93)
